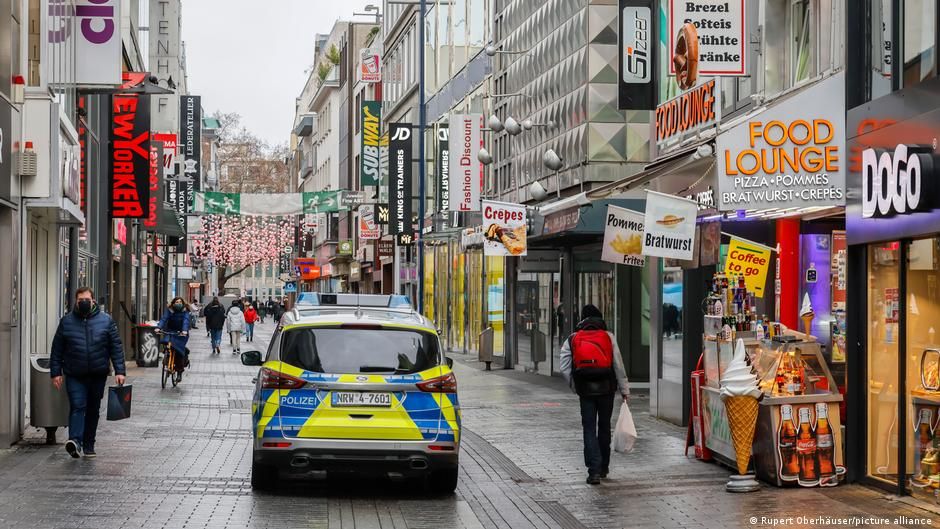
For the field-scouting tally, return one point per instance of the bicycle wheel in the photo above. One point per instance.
(164, 375)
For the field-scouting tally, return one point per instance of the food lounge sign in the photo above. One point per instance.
(688, 113)
(790, 156)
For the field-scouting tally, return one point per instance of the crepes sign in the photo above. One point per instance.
(623, 237)
(669, 226)
(504, 226)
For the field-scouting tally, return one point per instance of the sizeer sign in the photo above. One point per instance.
(130, 156)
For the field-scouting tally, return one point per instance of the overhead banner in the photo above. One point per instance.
(191, 142)
(400, 172)
(267, 204)
(321, 202)
(98, 54)
(370, 158)
(669, 226)
(129, 174)
(623, 237)
(792, 155)
(369, 230)
(637, 85)
(751, 260)
(465, 135)
(443, 169)
(709, 37)
(370, 65)
(504, 225)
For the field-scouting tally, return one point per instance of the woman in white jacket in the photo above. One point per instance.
(235, 325)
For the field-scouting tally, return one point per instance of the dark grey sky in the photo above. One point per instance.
(249, 57)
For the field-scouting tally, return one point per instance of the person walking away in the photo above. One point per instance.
(260, 309)
(251, 316)
(215, 322)
(235, 322)
(193, 314)
(270, 308)
(85, 342)
(591, 363)
(176, 320)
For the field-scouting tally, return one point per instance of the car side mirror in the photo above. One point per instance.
(251, 358)
(450, 361)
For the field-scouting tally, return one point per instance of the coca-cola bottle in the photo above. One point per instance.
(806, 450)
(924, 433)
(789, 460)
(826, 467)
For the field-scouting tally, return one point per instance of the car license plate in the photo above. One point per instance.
(358, 398)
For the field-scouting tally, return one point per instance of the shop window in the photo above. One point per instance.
(670, 367)
(884, 306)
(495, 300)
(881, 42)
(919, 48)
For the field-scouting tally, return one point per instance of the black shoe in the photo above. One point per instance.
(593, 479)
(90, 453)
(73, 448)
(604, 473)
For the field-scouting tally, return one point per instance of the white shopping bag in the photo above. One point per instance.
(625, 431)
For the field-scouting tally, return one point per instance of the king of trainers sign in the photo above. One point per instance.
(130, 156)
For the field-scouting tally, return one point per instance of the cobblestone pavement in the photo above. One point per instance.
(183, 461)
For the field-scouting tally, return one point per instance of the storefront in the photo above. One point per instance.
(893, 224)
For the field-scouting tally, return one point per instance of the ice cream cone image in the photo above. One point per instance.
(741, 393)
(807, 315)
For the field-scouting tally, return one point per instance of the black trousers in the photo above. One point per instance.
(595, 420)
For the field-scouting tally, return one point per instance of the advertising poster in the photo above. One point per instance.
(97, 32)
(129, 188)
(191, 141)
(807, 452)
(370, 159)
(369, 230)
(504, 224)
(370, 65)
(789, 156)
(892, 305)
(465, 137)
(637, 85)
(443, 169)
(400, 173)
(751, 260)
(709, 37)
(711, 243)
(623, 237)
(669, 226)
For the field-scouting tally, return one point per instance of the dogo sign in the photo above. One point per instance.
(894, 184)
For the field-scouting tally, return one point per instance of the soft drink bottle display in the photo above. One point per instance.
(806, 450)
(826, 466)
(924, 433)
(789, 460)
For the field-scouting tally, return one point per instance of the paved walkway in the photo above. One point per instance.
(183, 461)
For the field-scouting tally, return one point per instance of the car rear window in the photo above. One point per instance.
(345, 350)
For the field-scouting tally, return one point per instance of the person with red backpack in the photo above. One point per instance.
(593, 367)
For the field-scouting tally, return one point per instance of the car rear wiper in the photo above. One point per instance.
(376, 369)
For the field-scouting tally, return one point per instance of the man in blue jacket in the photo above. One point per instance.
(86, 341)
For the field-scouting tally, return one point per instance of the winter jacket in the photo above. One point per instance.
(251, 315)
(86, 345)
(235, 319)
(565, 358)
(173, 321)
(215, 316)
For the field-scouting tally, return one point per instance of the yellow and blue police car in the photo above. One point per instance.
(354, 383)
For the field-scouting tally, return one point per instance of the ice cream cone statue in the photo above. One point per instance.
(807, 315)
(741, 393)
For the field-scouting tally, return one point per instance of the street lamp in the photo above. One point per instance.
(494, 124)
(492, 51)
(484, 156)
(528, 124)
(552, 161)
(513, 127)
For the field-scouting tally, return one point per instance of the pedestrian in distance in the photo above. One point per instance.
(215, 322)
(193, 314)
(85, 343)
(251, 316)
(591, 363)
(175, 322)
(260, 309)
(235, 322)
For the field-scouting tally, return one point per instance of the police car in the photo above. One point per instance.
(354, 383)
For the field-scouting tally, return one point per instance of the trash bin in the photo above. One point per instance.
(48, 406)
(148, 346)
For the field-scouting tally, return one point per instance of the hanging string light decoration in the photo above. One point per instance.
(244, 241)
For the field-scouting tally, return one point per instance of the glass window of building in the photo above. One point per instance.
(884, 306)
(445, 43)
(920, 40)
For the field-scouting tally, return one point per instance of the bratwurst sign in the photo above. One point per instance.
(790, 156)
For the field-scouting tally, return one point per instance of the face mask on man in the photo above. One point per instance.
(178, 307)
(84, 307)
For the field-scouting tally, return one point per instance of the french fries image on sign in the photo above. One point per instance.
(630, 245)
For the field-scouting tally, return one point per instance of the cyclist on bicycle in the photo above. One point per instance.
(175, 322)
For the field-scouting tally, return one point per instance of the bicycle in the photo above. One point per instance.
(169, 362)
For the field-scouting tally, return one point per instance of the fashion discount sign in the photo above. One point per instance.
(465, 137)
(669, 226)
(504, 224)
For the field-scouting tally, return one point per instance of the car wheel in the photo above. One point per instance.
(443, 481)
(263, 477)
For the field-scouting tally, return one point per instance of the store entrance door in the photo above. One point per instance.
(537, 342)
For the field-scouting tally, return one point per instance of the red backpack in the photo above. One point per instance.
(592, 349)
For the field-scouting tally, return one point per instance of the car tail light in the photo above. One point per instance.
(273, 380)
(441, 448)
(275, 445)
(444, 384)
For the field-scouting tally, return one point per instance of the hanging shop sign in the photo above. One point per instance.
(669, 226)
(709, 37)
(400, 171)
(352, 199)
(345, 247)
(637, 40)
(790, 156)
(899, 182)
(370, 65)
(369, 230)
(623, 237)
(82, 167)
(98, 53)
(191, 139)
(381, 214)
(504, 226)
(170, 148)
(129, 173)
(465, 132)
(405, 239)
(385, 249)
(370, 159)
(443, 169)
(688, 113)
(561, 221)
(751, 260)
(472, 239)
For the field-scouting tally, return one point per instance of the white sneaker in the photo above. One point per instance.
(74, 449)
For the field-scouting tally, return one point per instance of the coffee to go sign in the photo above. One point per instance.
(789, 156)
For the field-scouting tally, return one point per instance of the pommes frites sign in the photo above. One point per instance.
(623, 237)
